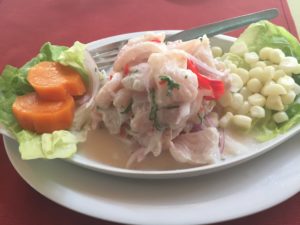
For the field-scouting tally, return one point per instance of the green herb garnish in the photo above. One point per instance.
(171, 84)
(172, 107)
(153, 111)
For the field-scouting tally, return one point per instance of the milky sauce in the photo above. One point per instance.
(108, 149)
(105, 148)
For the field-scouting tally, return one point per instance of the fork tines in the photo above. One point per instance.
(104, 56)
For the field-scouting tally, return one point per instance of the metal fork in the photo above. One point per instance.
(105, 51)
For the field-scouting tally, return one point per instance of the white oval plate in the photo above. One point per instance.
(246, 189)
(94, 164)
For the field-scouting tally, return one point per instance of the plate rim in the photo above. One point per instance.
(246, 211)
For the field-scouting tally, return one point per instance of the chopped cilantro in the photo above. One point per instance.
(153, 111)
(171, 84)
(172, 107)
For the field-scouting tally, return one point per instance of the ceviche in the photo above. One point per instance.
(187, 98)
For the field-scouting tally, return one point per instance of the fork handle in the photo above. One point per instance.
(224, 25)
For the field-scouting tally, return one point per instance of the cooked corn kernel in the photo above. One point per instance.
(268, 73)
(257, 112)
(289, 65)
(244, 109)
(225, 120)
(254, 85)
(273, 89)
(288, 98)
(287, 82)
(278, 73)
(251, 57)
(237, 100)
(244, 74)
(276, 56)
(257, 99)
(242, 121)
(239, 48)
(236, 82)
(280, 117)
(296, 89)
(261, 64)
(217, 51)
(256, 72)
(265, 53)
(274, 102)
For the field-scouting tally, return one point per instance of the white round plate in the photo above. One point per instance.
(245, 189)
(82, 157)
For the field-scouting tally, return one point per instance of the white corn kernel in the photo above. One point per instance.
(244, 74)
(236, 82)
(288, 64)
(259, 64)
(257, 112)
(226, 99)
(257, 99)
(217, 51)
(280, 117)
(244, 109)
(256, 72)
(232, 67)
(274, 102)
(251, 57)
(239, 48)
(276, 56)
(245, 92)
(297, 69)
(254, 85)
(242, 121)
(268, 73)
(273, 89)
(237, 100)
(296, 89)
(225, 120)
(287, 82)
(288, 98)
(265, 53)
(278, 73)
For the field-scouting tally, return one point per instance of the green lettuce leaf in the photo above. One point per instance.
(74, 57)
(236, 59)
(59, 144)
(265, 129)
(13, 82)
(266, 34)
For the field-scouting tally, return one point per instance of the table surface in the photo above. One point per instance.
(26, 24)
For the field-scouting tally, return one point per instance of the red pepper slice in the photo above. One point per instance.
(155, 40)
(126, 70)
(216, 86)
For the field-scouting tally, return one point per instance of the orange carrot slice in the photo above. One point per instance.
(53, 81)
(43, 116)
